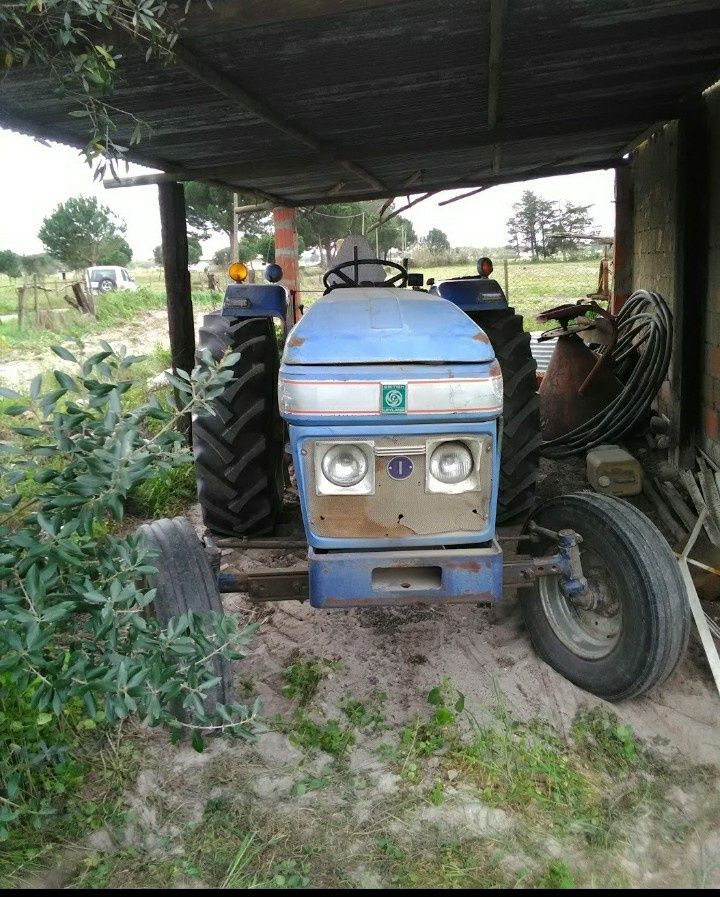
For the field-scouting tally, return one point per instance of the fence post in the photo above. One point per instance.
(21, 306)
(507, 282)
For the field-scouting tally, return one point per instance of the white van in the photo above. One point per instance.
(106, 278)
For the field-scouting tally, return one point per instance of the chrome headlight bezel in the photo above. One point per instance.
(462, 454)
(325, 486)
(478, 446)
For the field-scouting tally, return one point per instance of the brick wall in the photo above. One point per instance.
(655, 231)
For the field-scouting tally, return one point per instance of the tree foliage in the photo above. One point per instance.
(72, 41)
(40, 264)
(81, 232)
(573, 222)
(74, 635)
(543, 227)
(436, 240)
(10, 263)
(324, 226)
(209, 210)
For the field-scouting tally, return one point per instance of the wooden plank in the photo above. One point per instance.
(697, 499)
(706, 638)
(226, 16)
(676, 502)
(649, 491)
(710, 492)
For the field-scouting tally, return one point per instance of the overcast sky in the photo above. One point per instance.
(35, 178)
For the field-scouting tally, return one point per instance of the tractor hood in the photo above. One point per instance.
(378, 325)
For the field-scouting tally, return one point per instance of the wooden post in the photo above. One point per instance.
(21, 306)
(177, 277)
(35, 299)
(691, 282)
(234, 234)
(624, 236)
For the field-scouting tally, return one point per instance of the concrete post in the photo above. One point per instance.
(286, 251)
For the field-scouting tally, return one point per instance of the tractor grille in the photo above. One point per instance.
(399, 509)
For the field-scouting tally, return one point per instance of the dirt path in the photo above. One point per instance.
(140, 337)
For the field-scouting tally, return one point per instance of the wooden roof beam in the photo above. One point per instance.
(193, 64)
(476, 180)
(498, 9)
(437, 143)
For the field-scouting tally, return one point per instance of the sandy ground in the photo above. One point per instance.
(139, 338)
(408, 650)
(404, 652)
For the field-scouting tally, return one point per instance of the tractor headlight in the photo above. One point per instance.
(451, 462)
(344, 465)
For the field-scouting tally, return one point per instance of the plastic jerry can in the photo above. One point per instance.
(612, 470)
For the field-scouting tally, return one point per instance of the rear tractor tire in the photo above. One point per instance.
(239, 449)
(520, 451)
(185, 581)
(637, 633)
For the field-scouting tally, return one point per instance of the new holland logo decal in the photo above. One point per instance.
(393, 398)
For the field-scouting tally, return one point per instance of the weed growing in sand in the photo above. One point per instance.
(527, 767)
(329, 736)
(365, 714)
(303, 678)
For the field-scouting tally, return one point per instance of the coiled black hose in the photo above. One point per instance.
(640, 360)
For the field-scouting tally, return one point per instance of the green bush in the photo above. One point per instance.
(74, 636)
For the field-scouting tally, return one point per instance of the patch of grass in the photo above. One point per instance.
(225, 853)
(164, 496)
(556, 876)
(130, 868)
(603, 740)
(85, 773)
(390, 848)
(329, 736)
(448, 866)
(591, 786)
(305, 786)
(365, 714)
(303, 678)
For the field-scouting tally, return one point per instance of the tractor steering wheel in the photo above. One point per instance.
(397, 280)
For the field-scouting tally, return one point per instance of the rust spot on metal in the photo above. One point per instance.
(296, 341)
(469, 566)
(481, 337)
(351, 516)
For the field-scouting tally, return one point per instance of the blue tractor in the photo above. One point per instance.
(410, 422)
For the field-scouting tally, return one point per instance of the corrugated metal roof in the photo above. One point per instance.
(387, 92)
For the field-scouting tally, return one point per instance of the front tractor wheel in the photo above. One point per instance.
(629, 630)
(521, 412)
(239, 449)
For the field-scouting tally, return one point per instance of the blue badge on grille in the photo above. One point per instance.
(400, 467)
